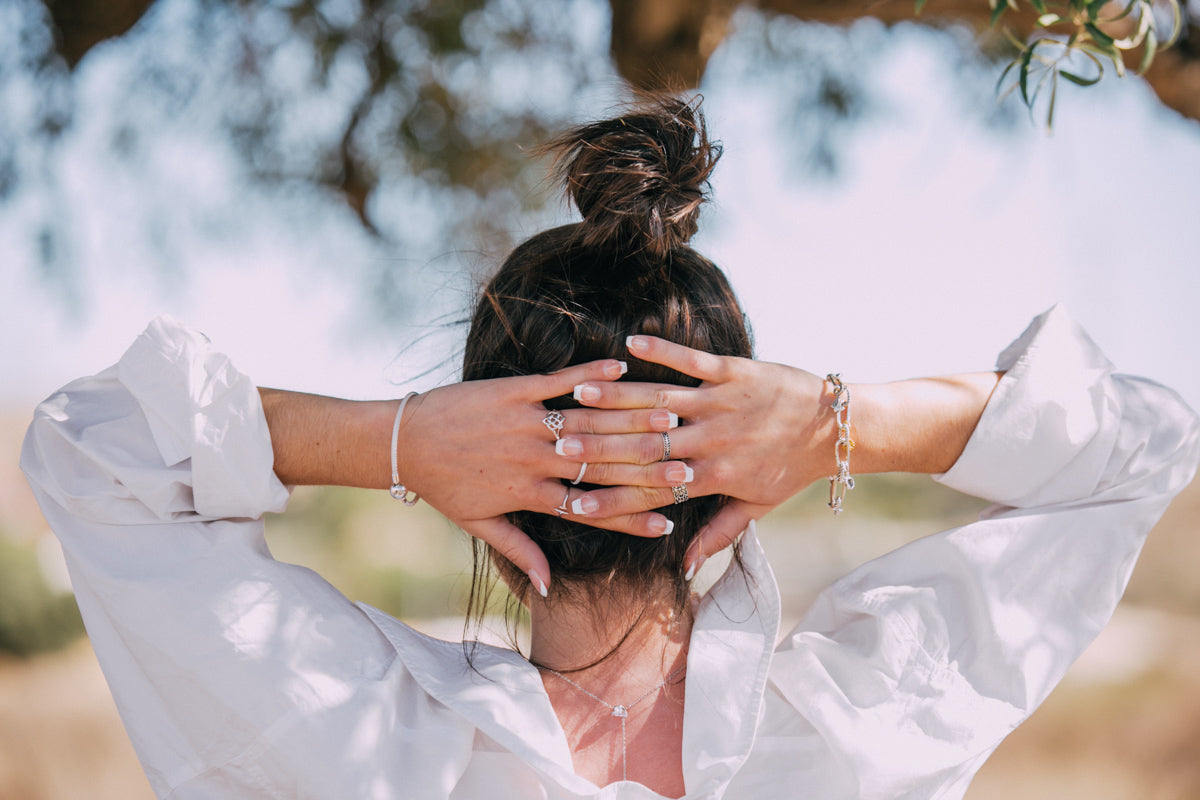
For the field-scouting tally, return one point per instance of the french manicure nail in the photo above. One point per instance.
(584, 506)
(691, 573)
(586, 393)
(680, 473)
(541, 587)
(671, 419)
(624, 367)
(568, 447)
(636, 344)
(668, 526)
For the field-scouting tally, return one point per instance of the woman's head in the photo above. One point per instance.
(573, 294)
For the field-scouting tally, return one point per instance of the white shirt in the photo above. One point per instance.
(241, 677)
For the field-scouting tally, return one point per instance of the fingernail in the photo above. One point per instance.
(680, 473)
(663, 525)
(668, 418)
(636, 344)
(691, 573)
(624, 367)
(584, 506)
(541, 587)
(586, 393)
(568, 447)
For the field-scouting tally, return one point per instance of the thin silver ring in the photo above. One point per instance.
(666, 447)
(554, 421)
(562, 507)
(680, 493)
(579, 477)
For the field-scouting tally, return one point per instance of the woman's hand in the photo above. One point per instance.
(476, 451)
(755, 431)
(761, 432)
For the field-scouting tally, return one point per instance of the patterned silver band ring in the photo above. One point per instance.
(666, 448)
(680, 493)
(579, 477)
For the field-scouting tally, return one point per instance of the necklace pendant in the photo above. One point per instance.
(620, 711)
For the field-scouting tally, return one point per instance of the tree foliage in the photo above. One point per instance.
(367, 99)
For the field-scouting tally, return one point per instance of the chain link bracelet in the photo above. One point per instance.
(843, 481)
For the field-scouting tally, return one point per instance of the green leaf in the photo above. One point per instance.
(1038, 5)
(1046, 20)
(1007, 70)
(1176, 22)
(1100, 37)
(1125, 12)
(997, 10)
(1053, 97)
(1130, 42)
(1148, 54)
(1026, 57)
(1079, 80)
(920, 5)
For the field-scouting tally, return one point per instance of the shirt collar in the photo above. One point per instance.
(733, 637)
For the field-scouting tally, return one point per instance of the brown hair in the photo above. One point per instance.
(572, 294)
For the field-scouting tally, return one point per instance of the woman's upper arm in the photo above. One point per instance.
(155, 475)
(951, 641)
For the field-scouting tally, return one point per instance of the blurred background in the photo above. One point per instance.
(319, 186)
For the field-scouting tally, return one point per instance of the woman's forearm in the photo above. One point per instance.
(919, 425)
(329, 441)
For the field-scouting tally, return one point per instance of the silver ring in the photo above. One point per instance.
(554, 421)
(680, 493)
(562, 507)
(578, 478)
(666, 448)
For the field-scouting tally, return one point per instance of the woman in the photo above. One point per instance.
(238, 676)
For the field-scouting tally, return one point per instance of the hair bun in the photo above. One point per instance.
(639, 179)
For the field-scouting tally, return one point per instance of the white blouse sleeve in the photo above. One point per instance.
(915, 665)
(155, 475)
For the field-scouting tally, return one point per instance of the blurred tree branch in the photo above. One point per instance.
(372, 99)
(660, 44)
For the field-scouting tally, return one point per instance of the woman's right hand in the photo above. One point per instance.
(754, 431)
(759, 432)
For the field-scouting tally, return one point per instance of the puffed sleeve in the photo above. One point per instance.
(155, 475)
(915, 666)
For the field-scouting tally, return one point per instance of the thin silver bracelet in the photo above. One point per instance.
(398, 489)
(843, 481)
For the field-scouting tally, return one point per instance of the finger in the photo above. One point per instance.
(721, 531)
(619, 501)
(603, 421)
(620, 448)
(627, 517)
(697, 363)
(662, 473)
(556, 384)
(646, 524)
(513, 544)
(633, 395)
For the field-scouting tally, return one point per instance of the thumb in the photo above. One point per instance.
(723, 530)
(512, 543)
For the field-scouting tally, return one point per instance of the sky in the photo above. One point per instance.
(930, 249)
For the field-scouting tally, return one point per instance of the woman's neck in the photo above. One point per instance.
(633, 655)
(589, 640)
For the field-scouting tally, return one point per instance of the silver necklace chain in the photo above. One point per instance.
(621, 712)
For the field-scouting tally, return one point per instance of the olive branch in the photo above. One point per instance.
(1072, 34)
